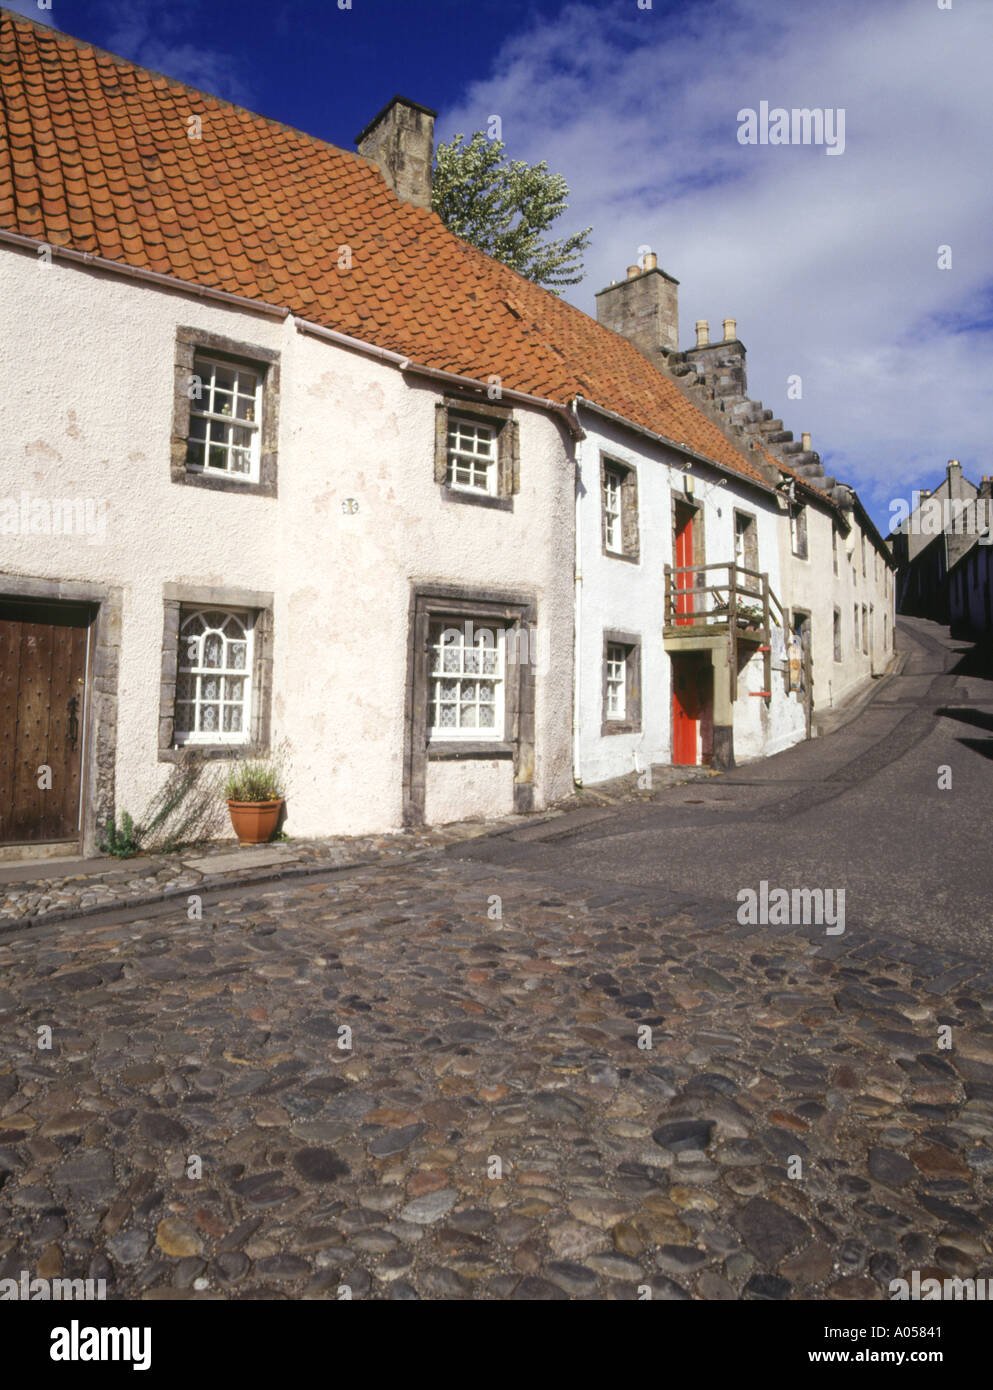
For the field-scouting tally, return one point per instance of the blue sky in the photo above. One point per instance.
(829, 264)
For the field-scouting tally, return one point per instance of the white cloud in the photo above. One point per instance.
(828, 263)
(169, 39)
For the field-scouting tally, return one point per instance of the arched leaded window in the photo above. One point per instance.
(214, 679)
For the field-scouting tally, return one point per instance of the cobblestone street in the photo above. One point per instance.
(542, 1060)
(475, 1039)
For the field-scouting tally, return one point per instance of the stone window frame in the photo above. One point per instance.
(190, 341)
(838, 640)
(631, 723)
(485, 607)
(865, 630)
(103, 670)
(176, 598)
(507, 431)
(630, 535)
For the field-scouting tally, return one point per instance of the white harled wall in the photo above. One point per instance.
(617, 594)
(86, 412)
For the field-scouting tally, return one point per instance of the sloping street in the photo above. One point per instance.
(549, 1063)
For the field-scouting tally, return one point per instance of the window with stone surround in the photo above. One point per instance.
(492, 657)
(216, 682)
(837, 634)
(225, 414)
(621, 683)
(619, 494)
(476, 452)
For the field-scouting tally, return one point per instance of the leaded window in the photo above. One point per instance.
(466, 696)
(213, 684)
(225, 415)
(472, 456)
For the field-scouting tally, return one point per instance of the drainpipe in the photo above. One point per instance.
(577, 621)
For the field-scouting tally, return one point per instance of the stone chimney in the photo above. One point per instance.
(721, 365)
(401, 141)
(644, 308)
(955, 489)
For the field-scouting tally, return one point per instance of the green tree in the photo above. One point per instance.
(504, 206)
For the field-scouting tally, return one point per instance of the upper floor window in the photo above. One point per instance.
(225, 419)
(213, 685)
(837, 634)
(476, 456)
(613, 481)
(225, 428)
(834, 548)
(472, 459)
(619, 491)
(798, 531)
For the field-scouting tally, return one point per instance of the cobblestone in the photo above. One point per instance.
(494, 1129)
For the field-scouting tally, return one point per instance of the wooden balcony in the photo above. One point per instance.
(707, 606)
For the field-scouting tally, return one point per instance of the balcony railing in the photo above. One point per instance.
(717, 597)
(704, 601)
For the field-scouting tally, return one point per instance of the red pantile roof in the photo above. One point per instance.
(96, 155)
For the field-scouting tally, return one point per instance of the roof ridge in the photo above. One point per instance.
(49, 31)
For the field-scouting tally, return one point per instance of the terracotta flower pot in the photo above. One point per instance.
(254, 821)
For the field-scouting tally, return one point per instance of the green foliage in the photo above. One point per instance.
(121, 842)
(258, 780)
(504, 206)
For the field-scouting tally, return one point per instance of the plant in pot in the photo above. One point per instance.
(254, 792)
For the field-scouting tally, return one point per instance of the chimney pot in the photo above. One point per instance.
(805, 440)
(400, 140)
(730, 329)
(702, 333)
(633, 270)
(651, 260)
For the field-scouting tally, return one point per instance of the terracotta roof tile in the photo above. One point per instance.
(94, 150)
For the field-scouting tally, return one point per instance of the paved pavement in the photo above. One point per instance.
(562, 1077)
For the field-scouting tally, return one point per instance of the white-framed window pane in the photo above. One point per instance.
(213, 682)
(616, 681)
(612, 484)
(224, 422)
(471, 455)
(467, 682)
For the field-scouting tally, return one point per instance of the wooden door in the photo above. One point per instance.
(43, 665)
(684, 556)
(685, 711)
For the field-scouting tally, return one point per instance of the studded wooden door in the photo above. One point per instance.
(43, 666)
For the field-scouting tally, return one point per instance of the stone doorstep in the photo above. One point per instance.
(248, 857)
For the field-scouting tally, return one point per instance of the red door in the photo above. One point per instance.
(685, 711)
(684, 557)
